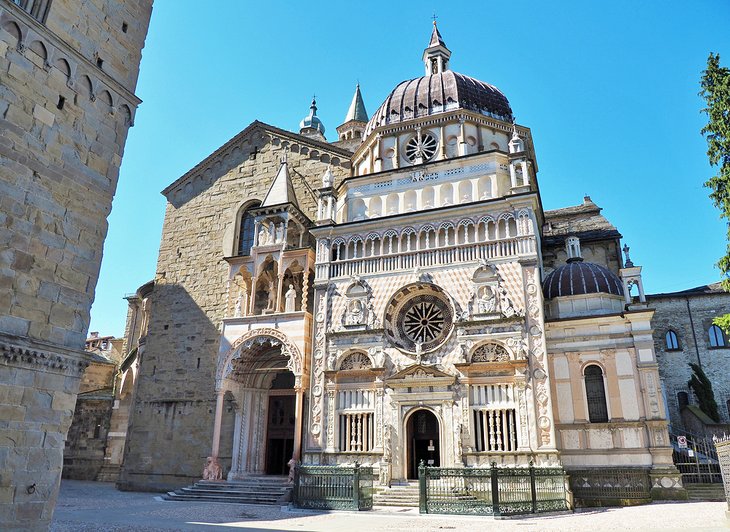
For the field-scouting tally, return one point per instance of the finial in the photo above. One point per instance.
(434, 19)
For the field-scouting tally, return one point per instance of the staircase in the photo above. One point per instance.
(705, 492)
(252, 490)
(397, 495)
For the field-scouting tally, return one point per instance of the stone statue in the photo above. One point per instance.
(237, 307)
(243, 299)
(212, 470)
(145, 317)
(290, 299)
(272, 233)
(292, 469)
(272, 295)
(263, 236)
(505, 303)
(328, 179)
(280, 233)
(419, 352)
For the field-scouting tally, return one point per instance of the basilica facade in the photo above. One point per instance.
(393, 297)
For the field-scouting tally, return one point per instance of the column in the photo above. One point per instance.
(299, 418)
(213, 470)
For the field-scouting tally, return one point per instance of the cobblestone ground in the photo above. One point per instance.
(87, 506)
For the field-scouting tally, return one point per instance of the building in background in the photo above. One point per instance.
(395, 296)
(684, 333)
(69, 72)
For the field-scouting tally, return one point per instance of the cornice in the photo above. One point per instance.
(237, 140)
(58, 42)
(43, 358)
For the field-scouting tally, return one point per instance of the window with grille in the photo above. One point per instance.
(717, 339)
(246, 231)
(495, 417)
(671, 340)
(596, 395)
(356, 420)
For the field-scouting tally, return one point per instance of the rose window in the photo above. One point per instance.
(421, 148)
(419, 318)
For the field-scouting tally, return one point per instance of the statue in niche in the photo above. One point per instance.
(272, 233)
(237, 307)
(280, 233)
(356, 313)
(290, 299)
(419, 352)
(487, 301)
(263, 236)
(271, 295)
(371, 315)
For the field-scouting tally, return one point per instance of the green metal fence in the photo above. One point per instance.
(610, 486)
(333, 487)
(491, 491)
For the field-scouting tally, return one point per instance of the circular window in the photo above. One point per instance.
(419, 318)
(421, 148)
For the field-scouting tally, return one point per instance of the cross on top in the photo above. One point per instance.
(434, 19)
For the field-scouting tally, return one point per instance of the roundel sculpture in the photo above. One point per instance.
(419, 318)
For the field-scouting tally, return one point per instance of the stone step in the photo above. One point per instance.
(254, 490)
(705, 492)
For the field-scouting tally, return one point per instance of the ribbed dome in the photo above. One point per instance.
(439, 93)
(577, 278)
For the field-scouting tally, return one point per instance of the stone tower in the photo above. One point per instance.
(66, 103)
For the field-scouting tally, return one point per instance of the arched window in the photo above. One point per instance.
(246, 230)
(717, 339)
(671, 340)
(596, 395)
(682, 399)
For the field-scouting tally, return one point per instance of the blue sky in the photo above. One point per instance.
(609, 90)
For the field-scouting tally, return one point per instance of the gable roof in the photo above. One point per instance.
(253, 126)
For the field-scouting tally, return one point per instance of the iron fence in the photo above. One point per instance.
(491, 491)
(723, 453)
(698, 461)
(610, 485)
(333, 487)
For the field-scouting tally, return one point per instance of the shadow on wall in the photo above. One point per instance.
(695, 421)
(171, 422)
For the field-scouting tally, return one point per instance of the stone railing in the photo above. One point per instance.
(410, 260)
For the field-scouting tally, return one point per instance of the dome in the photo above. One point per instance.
(438, 93)
(312, 121)
(578, 278)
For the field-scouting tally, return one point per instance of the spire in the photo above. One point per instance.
(436, 38)
(357, 108)
(436, 56)
(281, 189)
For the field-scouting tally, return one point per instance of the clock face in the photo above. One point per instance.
(421, 147)
(419, 318)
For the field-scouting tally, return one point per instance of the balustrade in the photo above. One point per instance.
(409, 260)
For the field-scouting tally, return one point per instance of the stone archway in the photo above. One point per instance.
(251, 369)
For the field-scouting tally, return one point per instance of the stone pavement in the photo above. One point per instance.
(90, 506)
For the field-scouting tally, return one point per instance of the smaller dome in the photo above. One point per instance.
(312, 121)
(578, 278)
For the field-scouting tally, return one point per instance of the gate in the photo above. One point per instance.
(698, 461)
(723, 453)
(333, 487)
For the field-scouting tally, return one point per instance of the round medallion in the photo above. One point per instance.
(419, 318)
(421, 147)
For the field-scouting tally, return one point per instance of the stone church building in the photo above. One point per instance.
(395, 296)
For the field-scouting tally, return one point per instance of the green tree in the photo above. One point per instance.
(715, 84)
(702, 388)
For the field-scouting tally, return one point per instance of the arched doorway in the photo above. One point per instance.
(422, 441)
(269, 403)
